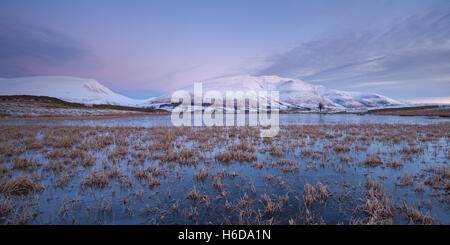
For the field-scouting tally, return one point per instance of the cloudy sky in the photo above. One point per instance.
(400, 49)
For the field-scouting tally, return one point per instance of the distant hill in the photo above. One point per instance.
(294, 93)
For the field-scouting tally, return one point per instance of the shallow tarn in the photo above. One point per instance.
(156, 120)
(335, 173)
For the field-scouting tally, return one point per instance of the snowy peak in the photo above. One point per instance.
(96, 87)
(71, 89)
(294, 93)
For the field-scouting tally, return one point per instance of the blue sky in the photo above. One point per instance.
(144, 48)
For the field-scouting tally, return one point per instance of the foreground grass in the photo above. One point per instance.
(328, 174)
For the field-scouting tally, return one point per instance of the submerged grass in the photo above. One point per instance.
(225, 175)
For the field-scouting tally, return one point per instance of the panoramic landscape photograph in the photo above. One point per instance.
(224, 113)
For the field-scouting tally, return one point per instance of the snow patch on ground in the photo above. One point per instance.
(20, 110)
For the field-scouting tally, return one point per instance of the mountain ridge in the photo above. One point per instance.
(294, 93)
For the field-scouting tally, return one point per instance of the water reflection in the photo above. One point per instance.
(285, 119)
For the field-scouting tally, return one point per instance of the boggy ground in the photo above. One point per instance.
(327, 174)
(27, 107)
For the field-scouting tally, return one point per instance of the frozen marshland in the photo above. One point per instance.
(320, 169)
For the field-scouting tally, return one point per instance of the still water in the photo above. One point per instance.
(285, 119)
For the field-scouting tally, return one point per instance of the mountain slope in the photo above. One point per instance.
(294, 93)
(70, 89)
(356, 99)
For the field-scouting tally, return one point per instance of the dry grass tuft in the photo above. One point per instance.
(21, 185)
(411, 150)
(394, 164)
(201, 174)
(5, 208)
(224, 157)
(416, 216)
(217, 182)
(377, 206)
(323, 193)
(22, 163)
(373, 160)
(193, 195)
(96, 179)
(153, 181)
(269, 205)
(310, 195)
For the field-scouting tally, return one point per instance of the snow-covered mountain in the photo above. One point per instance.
(70, 89)
(294, 93)
(356, 99)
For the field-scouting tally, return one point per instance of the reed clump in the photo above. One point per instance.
(96, 178)
(21, 185)
(309, 196)
(373, 160)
